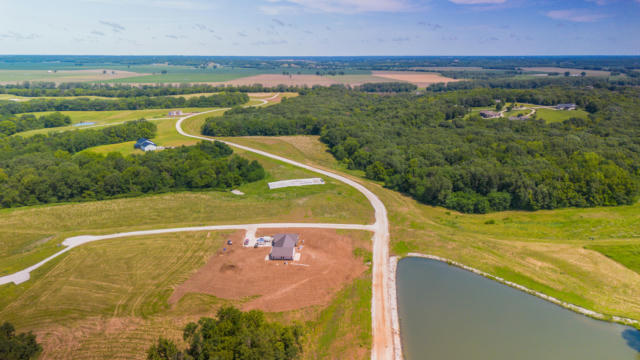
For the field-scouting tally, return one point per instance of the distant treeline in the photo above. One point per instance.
(47, 172)
(50, 89)
(10, 125)
(387, 87)
(425, 146)
(223, 99)
(321, 63)
(541, 82)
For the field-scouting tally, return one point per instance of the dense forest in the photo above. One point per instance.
(47, 169)
(50, 89)
(233, 335)
(428, 146)
(10, 125)
(22, 346)
(223, 99)
(386, 87)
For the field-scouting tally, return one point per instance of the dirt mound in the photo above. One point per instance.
(225, 268)
(326, 264)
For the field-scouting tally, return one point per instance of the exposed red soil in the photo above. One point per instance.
(239, 273)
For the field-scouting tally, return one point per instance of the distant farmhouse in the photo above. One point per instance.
(489, 114)
(175, 113)
(284, 247)
(566, 107)
(145, 145)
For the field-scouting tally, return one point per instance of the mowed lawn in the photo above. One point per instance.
(550, 115)
(108, 299)
(549, 251)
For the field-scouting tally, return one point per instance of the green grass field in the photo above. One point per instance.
(26, 98)
(550, 115)
(190, 75)
(106, 118)
(108, 300)
(516, 113)
(626, 254)
(548, 251)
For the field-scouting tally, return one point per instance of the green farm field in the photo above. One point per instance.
(15, 76)
(549, 251)
(189, 75)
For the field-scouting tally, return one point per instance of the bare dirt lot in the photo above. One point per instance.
(326, 264)
(422, 79)
(309, 80)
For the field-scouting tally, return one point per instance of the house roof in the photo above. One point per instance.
(142, 143)
(282, 252)
(285, 240)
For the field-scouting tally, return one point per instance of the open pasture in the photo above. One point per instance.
(15, 76)
(550, 115)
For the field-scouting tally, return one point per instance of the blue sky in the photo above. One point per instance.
(320, 27)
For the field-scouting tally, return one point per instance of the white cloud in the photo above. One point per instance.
(576, 15)
(478, 2)
(347, 6)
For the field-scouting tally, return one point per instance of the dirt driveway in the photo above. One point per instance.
(326, 264)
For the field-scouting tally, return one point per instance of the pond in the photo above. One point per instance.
(449, 313)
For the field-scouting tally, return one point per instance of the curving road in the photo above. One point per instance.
(381, 311)
(385, 339)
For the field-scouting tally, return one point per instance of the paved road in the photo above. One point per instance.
(383, 339)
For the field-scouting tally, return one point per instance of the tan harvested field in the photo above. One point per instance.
(309, 80)
(327, 263)
(571, 70)
(422, 79)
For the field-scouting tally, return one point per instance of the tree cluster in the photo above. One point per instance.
(426, 146)
(223, 99)
(14, 124)
(233, 335)
(22, 346)
(56, 176)
(50, 89)
(388, 87)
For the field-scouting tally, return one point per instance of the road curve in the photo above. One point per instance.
(383, 338)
